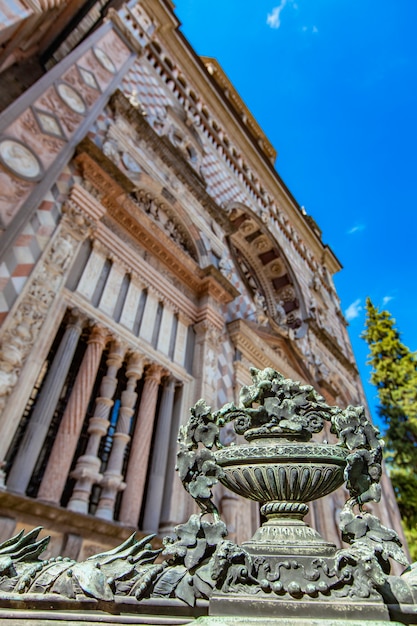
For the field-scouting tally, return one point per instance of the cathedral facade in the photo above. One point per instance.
(150, 256)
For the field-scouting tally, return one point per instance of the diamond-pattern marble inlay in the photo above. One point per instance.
(88, 77)
(49, 123)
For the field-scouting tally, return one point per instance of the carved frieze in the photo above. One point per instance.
(165, 217)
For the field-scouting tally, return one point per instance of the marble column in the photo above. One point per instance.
(112, 480)
(156, 482)
(38, 425)
(66, 440)
(87, 469)
(141, 447)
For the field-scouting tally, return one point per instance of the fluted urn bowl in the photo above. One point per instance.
(282, 475)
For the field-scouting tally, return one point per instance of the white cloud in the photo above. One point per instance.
(273, 19)
(353, 310)
(356, 229)
(310, 29)
(386, 299)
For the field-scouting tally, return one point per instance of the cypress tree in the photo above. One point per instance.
(394, 373)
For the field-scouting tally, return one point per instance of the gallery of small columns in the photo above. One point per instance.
(125, 405)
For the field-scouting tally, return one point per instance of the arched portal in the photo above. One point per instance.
(266, 272)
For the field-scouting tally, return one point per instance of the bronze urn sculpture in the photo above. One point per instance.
(286, 571)
(280, 467)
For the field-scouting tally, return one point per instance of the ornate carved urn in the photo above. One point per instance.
(280, 467)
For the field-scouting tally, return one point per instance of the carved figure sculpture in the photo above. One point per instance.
(280, 314)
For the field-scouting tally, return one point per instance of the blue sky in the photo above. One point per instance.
(334, 86)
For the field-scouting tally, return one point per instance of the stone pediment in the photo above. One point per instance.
(265, 349)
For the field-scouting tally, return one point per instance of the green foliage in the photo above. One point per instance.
(394, 373)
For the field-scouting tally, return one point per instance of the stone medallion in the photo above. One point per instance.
(72, 98)
(104, 60)
(130, 163)
(20, 159)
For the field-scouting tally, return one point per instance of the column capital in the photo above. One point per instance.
(76, 221)
(135, 364)
(170, 380)
(207, 331)
(138, 281)
(184, 319)
(116, 353)
(75, 317)
(98, 334)
(155, 372)
(99, 247)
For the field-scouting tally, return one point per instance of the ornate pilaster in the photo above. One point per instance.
(158, 467)
(25, 323)
(59, 463)
(87, 470)
(207, 345)
(141, 445)
(112, 480)
(181, 339)
(40, 420)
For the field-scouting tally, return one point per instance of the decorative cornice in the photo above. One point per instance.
(331, 344)
(207, 315)
(216, 71)
(108, 173)
(214, 284)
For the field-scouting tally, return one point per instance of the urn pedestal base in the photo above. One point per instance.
(288, 537)
(263, 609)
(297, 574)
(343, 619)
